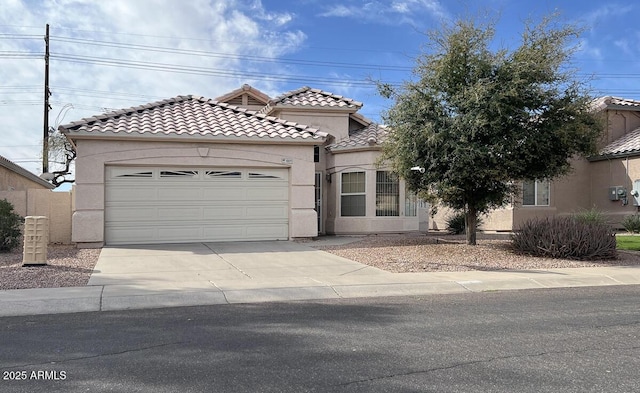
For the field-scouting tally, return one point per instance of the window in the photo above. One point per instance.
(387, 194)
(224, 174)
(410, 203)
(136, 174)
(316, 153)
(179, 174)
(535, 193)
(352, 197)
(254, 175)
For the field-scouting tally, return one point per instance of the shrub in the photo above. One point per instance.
(566, 237)
(631, 223)
(10, 224)
(456, 223)
(592, 216)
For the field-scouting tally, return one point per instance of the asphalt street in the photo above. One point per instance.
(555, 340)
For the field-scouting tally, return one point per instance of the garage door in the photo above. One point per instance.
(170, 205)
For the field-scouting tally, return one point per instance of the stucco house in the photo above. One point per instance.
(608, 181)
(244, 166)
(13, 177)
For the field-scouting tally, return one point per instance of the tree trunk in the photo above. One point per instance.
(471, 220)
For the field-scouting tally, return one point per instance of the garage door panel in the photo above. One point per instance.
(131, 193)
(133, 214)
(179, 213)
(266, 211)
(221, 212)
(268, 193)
(160, 205)
(120, 235)
(178, 194)
(180, 232)
(225, 193)
(277, 231)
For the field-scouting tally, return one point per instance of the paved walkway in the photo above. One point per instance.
(225, 273)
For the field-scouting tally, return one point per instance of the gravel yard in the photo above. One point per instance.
(66, 266)
(447, 253)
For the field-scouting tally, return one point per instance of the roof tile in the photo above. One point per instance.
(189, 115)
(371, 135)
(306, 96)
(608, 102)
(628, 143)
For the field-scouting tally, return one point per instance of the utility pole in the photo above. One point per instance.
(47, 93)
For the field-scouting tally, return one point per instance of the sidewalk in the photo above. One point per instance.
(233, 291)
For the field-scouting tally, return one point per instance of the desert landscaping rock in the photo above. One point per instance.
(412, 253)
(67, 266)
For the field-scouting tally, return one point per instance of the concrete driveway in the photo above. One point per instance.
(223, 272)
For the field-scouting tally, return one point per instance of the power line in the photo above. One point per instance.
(201, 53)
(183, 69)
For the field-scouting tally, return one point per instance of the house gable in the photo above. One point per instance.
(15, 177)
(246, 97)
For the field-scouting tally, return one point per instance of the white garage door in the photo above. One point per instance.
(169, 205)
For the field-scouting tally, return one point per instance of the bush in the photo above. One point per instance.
(631, 223)
(566, 237)
(456, 223)
(10, 225)
(591, 216)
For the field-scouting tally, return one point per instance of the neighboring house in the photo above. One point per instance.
(13, 177)
(606, 181)
(32, 196)
(242, 167)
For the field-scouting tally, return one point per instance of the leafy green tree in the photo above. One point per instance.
(479, 120)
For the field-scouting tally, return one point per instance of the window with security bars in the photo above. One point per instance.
(410, 203)
(352, 194)
(387, 194)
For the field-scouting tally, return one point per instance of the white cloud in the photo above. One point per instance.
(623, 44)
(95, 44)
(398, 11)
(606, 11)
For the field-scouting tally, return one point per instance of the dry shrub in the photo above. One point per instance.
(567, 238)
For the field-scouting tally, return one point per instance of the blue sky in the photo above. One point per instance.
(115, 54)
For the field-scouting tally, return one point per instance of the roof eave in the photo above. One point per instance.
(631, 108)
(307, 108)
(613, 156)
(351, 149)
(319, 139)
(17, 169)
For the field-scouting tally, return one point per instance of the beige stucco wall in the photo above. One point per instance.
(11, 181)
(57, 206)
(334, 123)
(355, 161)
(609, 173)
(94, 155)
(619, 123)
(568, 194)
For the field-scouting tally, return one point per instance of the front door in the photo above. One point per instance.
(319, 200)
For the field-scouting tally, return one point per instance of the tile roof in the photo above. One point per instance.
(625, 145)
(193, 117)
(370, 136)
(10, 165)
(308, 97)
(610, 102)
